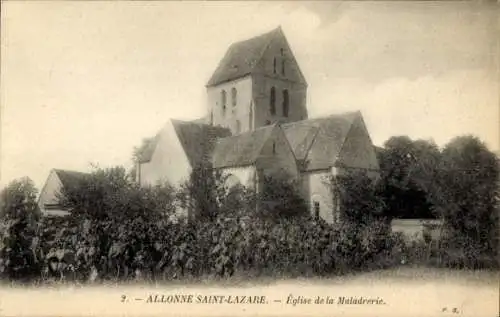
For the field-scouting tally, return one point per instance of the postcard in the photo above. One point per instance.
(239, 158)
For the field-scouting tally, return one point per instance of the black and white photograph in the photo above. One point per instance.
(243, 158)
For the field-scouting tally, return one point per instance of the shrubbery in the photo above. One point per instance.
(18, 241)
(117, 230)
(458, 185)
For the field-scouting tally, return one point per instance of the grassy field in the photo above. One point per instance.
(400, 292)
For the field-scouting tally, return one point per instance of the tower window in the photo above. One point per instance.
(238, 126)
(234, 96)
(272, 101)
(316, 209)
(250, 118)
(282, 62)
(274, 148)
(274, 65)
(223, 98)
(211, 117)
(223, 101)
(285, 103)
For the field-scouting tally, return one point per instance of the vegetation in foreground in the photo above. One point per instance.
(119, 231)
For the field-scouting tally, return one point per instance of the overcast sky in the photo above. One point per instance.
(84, 82)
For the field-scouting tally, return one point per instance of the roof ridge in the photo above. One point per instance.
(248, 132)
(242, 149)
(263, 34)
(332, 115)
(269, 41)
(308, 150)
(337, 158)
(268, 135)
(242, 57)
(67, 171)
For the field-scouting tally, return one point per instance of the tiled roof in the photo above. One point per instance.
(300, 135)
(69, 178)
(202, 120)
(326, 134)
(241, 58)
(316, 143)
(198, 140)
(242, 149)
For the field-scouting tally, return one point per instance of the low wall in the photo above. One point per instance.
(414, 229)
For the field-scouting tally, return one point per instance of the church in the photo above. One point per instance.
(257, 125)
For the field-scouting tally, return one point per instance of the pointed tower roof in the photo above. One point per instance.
(242, 57)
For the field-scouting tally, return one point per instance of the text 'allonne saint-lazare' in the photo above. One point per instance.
(257, 299)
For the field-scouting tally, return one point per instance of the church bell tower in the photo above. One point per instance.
(258, 82)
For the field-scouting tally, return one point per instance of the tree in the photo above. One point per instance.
(363, 225)
(122, 219)
(19, 200)
(202, 193)
(279, 198)
(359, 196)
(139, 153)
(19, 214)
(141, 150)
(467, 195)
(408, 174)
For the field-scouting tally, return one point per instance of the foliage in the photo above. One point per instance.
(202, 193)
(138, 155)
(122, 219)
(467, 197)
(19, 200)
(364, 226)
(280, 198)
(18, 216)
(408, 176)
(118, 230)
(139, 151)
(358, 195)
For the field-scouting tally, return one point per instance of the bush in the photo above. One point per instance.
(364, 227)
(118, 230)
(467, 198)
(279, 198)
(18, 241)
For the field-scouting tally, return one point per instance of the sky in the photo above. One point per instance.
(83, 82)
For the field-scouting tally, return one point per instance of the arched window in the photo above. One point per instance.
(223, 98)
(282, 62)
(274, 148)
(272, 101)
(238, 126)
(234, 96)
(274, 65)
(285, 103)
(211, 118)
(223, 101)
(250, 118)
